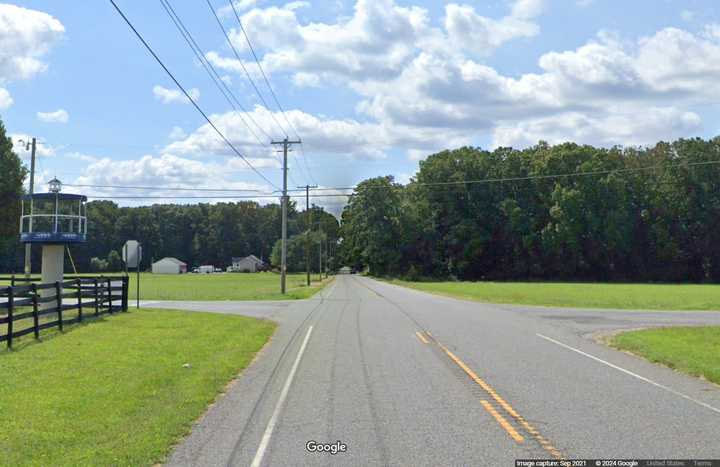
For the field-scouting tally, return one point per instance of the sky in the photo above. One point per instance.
(371, 87)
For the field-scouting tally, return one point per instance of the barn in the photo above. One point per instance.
(169, 266)
(248, 264)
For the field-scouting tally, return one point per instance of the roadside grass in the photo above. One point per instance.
(114, 391)
(580, 295)
(692, 350)
(223, 286)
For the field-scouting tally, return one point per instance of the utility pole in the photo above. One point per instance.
(308, 221)
(283, 266)
(28, 145)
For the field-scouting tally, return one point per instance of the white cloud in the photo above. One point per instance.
(631, 128)
(169, 96)
(5, 99)
(165, 170)
(469, 30)
(26, 37)
(58, 116)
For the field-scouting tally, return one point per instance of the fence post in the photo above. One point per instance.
(58, 298)
(126, 287)
(36, 321)
(11, 305)
(109, 291)
(12, 280)
(97, 304)
(79, 298)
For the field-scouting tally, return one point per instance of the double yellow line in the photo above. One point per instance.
(425, 337)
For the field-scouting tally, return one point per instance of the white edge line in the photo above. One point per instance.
(628, 372)
(278, 407)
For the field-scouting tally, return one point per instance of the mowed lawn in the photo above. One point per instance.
(223, 286)
(581, 295)
(115, 391)
(692, 350)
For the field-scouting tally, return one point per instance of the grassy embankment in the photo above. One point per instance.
(580, 295)
(116, 391)
(692, 350)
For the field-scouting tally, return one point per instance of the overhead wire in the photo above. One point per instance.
(187, 95)
(162, 188)
(247, 73)
(267, 81)
(274, 95)
(272, 92)
(212, 72)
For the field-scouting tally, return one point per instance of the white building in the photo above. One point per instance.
(169, 266)
(248, 264)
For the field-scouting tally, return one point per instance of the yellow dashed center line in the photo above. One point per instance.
(421, 337)
(507, 407)
(503, 423)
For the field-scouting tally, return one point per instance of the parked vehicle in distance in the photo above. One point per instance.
(204, 270)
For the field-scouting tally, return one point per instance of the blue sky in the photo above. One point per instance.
(372, 86)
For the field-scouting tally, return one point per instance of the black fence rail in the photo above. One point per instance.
(33, 307)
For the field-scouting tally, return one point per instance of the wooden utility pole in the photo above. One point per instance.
(308, 221)
(283, 266)
(32, 191)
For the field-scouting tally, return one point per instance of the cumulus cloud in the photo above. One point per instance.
(170, 96)
(26, 36)
(160, 171)
(469, 30)
(321, 135)
(5, 99)
(631, 128)
(58, 116)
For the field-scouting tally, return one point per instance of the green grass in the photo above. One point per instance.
(581, 295)
(227, 286)
(115, 392)
(692, 350)
(256, 286)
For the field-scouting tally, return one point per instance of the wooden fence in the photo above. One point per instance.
(44, 306)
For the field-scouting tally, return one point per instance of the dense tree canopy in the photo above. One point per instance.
(197, 234)
(636, 214)
(12, 175)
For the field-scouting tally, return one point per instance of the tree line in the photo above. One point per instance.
(629, 214)
(196, 234)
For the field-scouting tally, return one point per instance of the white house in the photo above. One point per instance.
(248, 264)
(169, 266)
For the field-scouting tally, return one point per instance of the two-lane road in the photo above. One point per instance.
(406, 378)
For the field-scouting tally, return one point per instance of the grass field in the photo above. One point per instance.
(115, 391)
(692, 350)
(581, 295)
(257, 286)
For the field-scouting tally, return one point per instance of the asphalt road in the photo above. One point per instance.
(402, 377)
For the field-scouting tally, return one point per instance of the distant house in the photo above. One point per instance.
(169, 266)
(248, 264)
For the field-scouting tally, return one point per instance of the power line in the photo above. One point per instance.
(219, 197)
(530, 177)
(252, 49)
(162, 188)
(272, 92)
(195, 104)
(247, 73)
(210, 70)
(307, 166)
